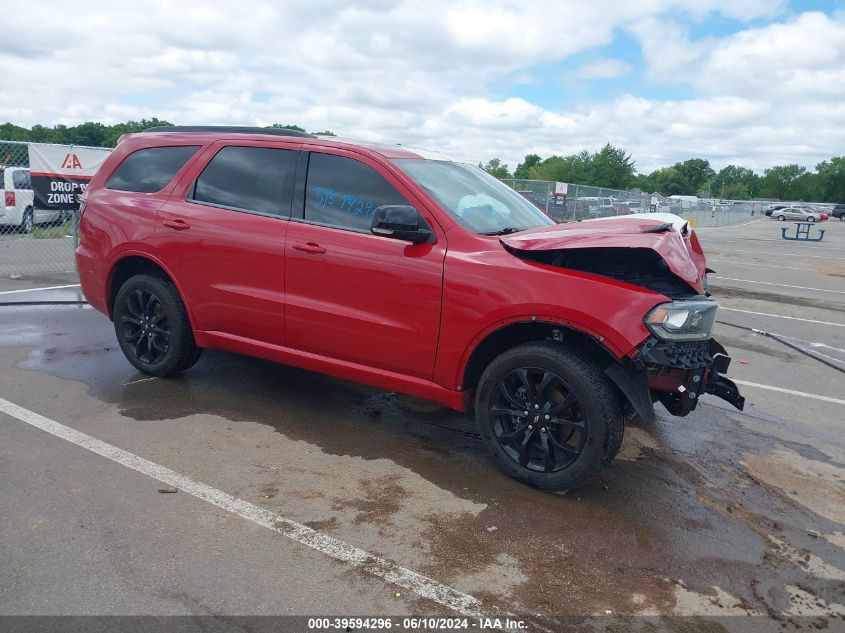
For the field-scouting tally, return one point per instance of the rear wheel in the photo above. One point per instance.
(549, 417)
(152, 326)
(811, 219)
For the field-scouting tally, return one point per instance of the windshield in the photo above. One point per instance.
(473, 197)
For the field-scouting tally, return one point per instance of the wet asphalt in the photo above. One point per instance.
(720, 513)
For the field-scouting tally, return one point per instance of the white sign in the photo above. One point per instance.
(60, 173)
(560, 188)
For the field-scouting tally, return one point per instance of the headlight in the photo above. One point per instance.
(683, 320)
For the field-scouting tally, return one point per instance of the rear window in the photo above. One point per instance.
(21, 180)
(247, 178)
(149, 170)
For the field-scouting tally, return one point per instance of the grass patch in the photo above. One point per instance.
(51, 231)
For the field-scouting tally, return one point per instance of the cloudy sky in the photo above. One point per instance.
(754, 82)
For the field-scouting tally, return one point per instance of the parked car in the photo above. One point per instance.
(801, 214)
(18, 212)
(838, 211)
(539, 200)
(406, 271)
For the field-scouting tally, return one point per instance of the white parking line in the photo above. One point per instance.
(781, 316)
(738, 250)
(740, 263)
(789, 391)
(423, 586)
(8, 292)
(765, 241)
(728, 226)
(769, 283)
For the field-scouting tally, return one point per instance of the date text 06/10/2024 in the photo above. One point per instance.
(414, 624)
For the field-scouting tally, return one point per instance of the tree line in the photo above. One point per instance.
(92, 133)
(613, 168)
(610, 167)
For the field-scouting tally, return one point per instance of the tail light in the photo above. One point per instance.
(10, 198)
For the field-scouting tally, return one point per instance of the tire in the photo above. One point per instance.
(27, 222)
(593, 419)
(781, 218)
(842, 218)
(811, 219)
(152, 327)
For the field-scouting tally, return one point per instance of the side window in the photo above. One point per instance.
(149, 170)
(344, 192)
(21, 180)
(248, 178)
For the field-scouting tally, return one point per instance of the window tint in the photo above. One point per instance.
(250, 178)
(343, 192)
(21, 180)
(149, 170)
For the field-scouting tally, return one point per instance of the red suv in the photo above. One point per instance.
(401, 269)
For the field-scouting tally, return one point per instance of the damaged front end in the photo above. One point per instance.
(679, 361)
(676, 374)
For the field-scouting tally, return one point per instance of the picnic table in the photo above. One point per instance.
(802, 232)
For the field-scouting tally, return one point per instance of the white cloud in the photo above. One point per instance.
(606, 68)
(421, 73)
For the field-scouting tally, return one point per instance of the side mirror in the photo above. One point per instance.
(400, 222)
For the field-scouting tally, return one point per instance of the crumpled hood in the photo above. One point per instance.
(677, 245)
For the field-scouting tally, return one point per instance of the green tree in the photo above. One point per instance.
(671, 181)
(696, 172)
(611, 167)
(735, 183)
(325, 133)
(523, 170)
(831, 179)
(574, 169)
(644, 183)
(496, 168)
(778, 181)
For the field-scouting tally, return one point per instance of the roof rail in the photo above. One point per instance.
(237, 129)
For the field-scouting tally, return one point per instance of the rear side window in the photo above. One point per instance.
(246, 178)
(21, 180)
(344, 193)
(149, 170)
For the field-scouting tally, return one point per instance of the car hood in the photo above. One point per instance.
(675, 242)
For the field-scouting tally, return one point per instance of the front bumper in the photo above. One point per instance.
(679, 373)
(675, 374)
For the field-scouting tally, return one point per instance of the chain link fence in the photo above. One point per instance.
(33, 242)
(567, 202)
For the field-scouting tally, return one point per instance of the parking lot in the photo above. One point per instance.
(299, 494)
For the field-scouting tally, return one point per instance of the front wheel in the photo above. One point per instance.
(811, 219)
(781, 218)
(152, 326)
(549, 417)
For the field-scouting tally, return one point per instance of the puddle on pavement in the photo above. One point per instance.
(680, 511)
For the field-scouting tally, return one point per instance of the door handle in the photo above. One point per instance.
(179, 225)
(311, 248)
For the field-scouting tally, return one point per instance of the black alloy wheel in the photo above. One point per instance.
(537, 421)
(144, 326)
(550, 416)
(152, 326)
